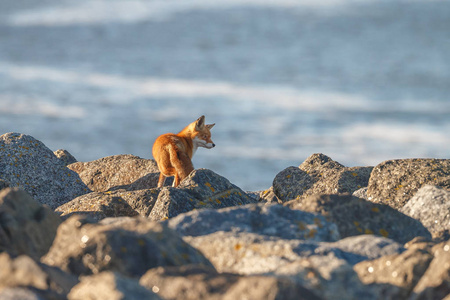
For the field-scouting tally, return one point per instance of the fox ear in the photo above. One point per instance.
(200, 123)
(209, 126)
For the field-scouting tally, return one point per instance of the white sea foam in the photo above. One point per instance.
(102, 11)
(270, 95)
(14, 104)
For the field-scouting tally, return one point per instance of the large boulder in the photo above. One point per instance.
(129, 246)
(193, 282)
(394, 275)
(355, 216)
(435, 283)
(118, 170)
(394, 182)
(26, 227)
(270, 220)
(119, 203)
(112, 286)
(328, 276)
(27, 163)
(22, 275)
(318, 174)
(249, 253)
(201, 189)
(436, 216)
(261, 239)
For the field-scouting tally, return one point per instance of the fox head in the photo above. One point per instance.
(201, 135)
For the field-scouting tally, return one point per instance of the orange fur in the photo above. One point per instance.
(173, 152)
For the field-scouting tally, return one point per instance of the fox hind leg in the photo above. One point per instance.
(183, 166)
(176, 181)
(161, 180)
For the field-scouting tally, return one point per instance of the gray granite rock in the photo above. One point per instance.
(394, 182)
(27, 163)
(148, 181)
(394, 276)
(269, 220)
(319, 174)
(328, 276)
(34, 278)
(26, 227)
(65, 157)
(117, 203)
(4, 184)
(115, 171)
(112, 286)
(268, 196)
(129, 246)
(355, 216)
(358, 248)
(249, 253)
(24, 293)
(361, 193)
(193, 282)
(435, 283)
(436, 200)
(201, 189)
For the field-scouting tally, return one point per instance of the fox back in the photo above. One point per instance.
(173, 152)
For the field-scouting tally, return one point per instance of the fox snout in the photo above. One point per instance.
(208, 144)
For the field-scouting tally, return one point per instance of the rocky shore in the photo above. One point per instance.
(102, 230)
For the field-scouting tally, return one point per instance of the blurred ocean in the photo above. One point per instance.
(361, 81)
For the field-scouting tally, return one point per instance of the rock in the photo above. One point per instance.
(328, 276)
(65, 156)
(269, 220)
(361, 193)
(436, 216)
(148, 181)
(420, 243)
(23, 294)
(440, 236)
(201, 189)
(129, 246)
(4, 184)
(193, 282)
(112, 171)
(27, 163)
(435, 283)
(120, 203)
(355, 216)
(394, 182)
(394, 276)
(358, 248)
(319, 174)
(269, 196)
(26, 227)
(24, 272)
(255, 196)
(258, 239)
(112, 286)
(249, 253)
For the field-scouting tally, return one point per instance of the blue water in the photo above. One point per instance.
(360, 81)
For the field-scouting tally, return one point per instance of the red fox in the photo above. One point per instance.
(173, 152)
